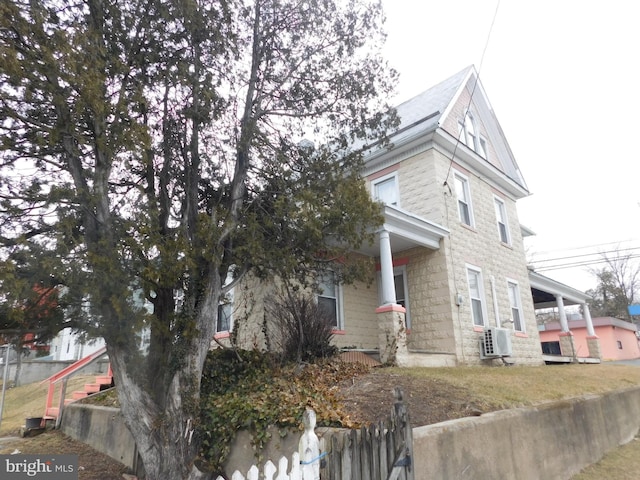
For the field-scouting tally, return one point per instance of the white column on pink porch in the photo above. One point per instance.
(593, 342)
(587, 319)
(388, 287)
(564, 325)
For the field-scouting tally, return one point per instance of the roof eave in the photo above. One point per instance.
(397, 151)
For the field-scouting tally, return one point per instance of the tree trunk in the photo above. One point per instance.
(159, 431)
(161, 411)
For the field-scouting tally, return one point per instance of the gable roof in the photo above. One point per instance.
(428, 112)
(423, 112)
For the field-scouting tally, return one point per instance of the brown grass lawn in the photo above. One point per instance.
(453, 391)
(29, 401)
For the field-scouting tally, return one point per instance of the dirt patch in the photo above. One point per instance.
(369, 398)
(92, 465)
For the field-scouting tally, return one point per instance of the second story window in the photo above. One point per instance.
(464, 199)
(385, 190)
(501, 218)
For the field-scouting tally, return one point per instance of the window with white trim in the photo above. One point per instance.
(516, 306)
(385, 190)
(464, 199)
(225, 313)
(501, 219)
(468, 134)
(225, 308)
(482, 147)
(328, 298)
(476, 296)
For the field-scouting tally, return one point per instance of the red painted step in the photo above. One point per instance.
(92, 387)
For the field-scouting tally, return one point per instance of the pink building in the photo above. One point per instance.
(618, 338)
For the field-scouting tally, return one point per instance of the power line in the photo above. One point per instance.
(584, 263)
(616, 243)
(553, 259)
(475, 84)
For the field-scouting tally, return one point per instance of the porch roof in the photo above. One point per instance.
(406, 231)
(544, 291)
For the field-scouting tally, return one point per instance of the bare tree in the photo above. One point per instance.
(618, 285)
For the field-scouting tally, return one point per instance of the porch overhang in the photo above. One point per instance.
(544, 291)
(406, 231)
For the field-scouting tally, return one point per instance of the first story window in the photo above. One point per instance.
(328, 298)
(476, 296)
(516, 306)
(225, 314)
(225, 306)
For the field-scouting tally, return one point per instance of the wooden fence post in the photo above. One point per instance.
(309, 447)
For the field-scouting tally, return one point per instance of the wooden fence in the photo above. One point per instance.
(382, 451)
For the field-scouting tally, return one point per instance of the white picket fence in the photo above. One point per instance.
(305, 463)
(381, 451)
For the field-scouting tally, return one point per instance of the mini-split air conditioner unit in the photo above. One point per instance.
(495, 342)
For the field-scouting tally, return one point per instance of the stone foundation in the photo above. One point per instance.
(594, 347)
(567, 345)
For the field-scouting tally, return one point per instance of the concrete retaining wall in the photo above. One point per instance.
(555, 440)
(103, 428)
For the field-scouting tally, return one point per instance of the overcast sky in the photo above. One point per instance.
(561, 77)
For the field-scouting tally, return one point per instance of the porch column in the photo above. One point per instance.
(386, 270)
(593, 342)
(587, 318)
(567, 344)
(564, 325)
(392, 332)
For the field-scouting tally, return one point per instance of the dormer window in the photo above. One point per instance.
(467, 133)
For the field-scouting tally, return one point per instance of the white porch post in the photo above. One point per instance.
(593, 342)
(567, 344)
(564, 325)
(386, 270)
(587, 318)
(392, 331)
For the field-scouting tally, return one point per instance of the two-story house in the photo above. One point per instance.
(452, 285)
(451, 251)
